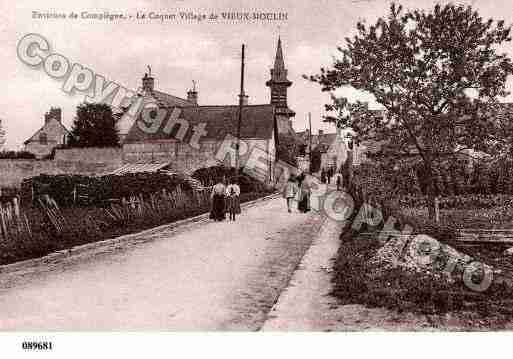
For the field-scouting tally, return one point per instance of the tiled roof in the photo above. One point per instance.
(258, 122)
(322, 141)
(166, 99)
(139, 167)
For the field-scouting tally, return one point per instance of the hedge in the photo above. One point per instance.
(17, 155)
(81, 190)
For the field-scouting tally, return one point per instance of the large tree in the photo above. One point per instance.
(435, 72)
(94, 126)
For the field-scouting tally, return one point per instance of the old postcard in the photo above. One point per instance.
(272, 166)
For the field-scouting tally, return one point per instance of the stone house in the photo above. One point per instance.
(204, 136)
(50, 135)
(189, 136)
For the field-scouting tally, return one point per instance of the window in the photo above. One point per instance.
(43, 138)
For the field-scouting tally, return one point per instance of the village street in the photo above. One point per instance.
(199, 276)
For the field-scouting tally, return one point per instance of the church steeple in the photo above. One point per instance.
(279, 84)
(279, 71)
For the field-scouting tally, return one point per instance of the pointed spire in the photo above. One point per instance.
(279, 64)
(279, 83)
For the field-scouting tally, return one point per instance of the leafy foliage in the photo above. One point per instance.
(68, 190)
(14, 155)
(94, 126)
(436, 73)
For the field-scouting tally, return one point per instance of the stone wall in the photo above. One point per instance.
(256, 153)
(186, 159)
(109, 155)
(12, 172)
(87, 161)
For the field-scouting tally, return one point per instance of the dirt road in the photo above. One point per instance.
(205, 276)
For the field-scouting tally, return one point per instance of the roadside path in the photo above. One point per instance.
(306, 304)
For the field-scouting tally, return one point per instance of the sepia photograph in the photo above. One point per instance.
(294, 176)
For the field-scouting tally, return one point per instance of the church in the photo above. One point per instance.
(170, 142)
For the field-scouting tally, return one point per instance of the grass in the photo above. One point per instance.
(360, 280)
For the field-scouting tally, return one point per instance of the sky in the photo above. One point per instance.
(182, 51)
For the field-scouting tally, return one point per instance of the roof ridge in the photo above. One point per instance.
(168, 94)
(215, 106)
(43, 126)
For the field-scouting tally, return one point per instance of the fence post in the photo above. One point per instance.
(437, 210)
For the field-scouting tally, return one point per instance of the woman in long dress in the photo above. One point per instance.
(218, 202)
(304, 195)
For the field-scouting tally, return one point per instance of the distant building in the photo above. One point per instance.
(50, 135)
(329, 148)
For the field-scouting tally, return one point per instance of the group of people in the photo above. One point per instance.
(328, 174)
(297, 188)
(225, 198)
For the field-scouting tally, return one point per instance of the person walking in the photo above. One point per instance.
(289, 192)
(304, 195)
(339, 178)
(233, 199)
(218, 212)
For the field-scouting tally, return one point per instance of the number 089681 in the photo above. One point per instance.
(36, 346)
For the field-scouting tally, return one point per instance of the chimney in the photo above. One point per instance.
(192, 96)
(148, 84)
(321, 132)
(55, 113)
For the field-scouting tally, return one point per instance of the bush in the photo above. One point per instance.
(17, 155)
(7, 194)
(467, 201)
(69, 190)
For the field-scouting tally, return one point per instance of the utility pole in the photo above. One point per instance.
(241, 104)
(310, 139)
